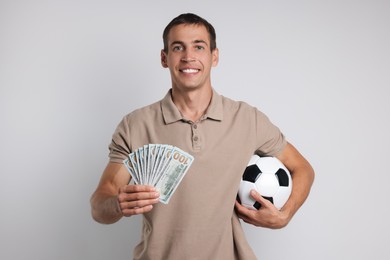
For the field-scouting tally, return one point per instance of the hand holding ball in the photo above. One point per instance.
(269, 177)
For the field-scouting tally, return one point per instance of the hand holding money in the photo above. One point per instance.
(159, 165)
(137, 199)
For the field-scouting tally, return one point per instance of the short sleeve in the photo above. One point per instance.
(271, 140)
(120, 144)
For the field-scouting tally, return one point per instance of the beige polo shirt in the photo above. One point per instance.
(199, 222)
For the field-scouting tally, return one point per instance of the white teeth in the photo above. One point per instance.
(190, 70)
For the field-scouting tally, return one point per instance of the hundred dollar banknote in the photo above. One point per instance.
(160, 165)
(173, 173)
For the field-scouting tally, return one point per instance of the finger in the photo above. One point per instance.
(134, 207)
(243, 212)
(240, 207)
(125, 197)
(256, 196)
(137, 188)
(137, 204)
(136, 211)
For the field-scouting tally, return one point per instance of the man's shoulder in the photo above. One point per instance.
(145, 111)
(236, 105)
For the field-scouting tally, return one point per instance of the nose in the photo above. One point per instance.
(187, 59)
(188, 56)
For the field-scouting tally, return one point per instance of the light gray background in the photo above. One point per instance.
(69, 71)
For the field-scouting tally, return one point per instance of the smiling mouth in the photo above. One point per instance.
(189, 70)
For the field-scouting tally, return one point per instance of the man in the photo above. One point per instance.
(201, 221)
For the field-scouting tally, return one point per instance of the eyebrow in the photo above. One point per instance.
(195, 41)
(200, 41)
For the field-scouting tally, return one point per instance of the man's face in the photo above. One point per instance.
(189, 57)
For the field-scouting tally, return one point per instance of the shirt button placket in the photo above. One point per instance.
(195, 137)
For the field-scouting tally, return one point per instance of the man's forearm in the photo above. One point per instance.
(105, 208)
(302, 181)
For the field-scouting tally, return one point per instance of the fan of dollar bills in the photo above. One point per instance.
(160, 165)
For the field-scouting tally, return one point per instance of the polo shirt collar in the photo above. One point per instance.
(215, 109)
(172, 114)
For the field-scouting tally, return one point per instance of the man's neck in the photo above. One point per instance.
(192, 104)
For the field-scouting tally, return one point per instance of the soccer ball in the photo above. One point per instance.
(269, 177)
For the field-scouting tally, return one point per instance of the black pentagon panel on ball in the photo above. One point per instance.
(282, 177)
(257, 205)
(251, 173)
(269, 199)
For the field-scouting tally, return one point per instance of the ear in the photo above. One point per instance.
(215, 57)
(164, 59)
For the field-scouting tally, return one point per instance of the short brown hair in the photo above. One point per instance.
(190, 18)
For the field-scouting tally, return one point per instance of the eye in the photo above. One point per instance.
(199, 47)
(177, 48)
